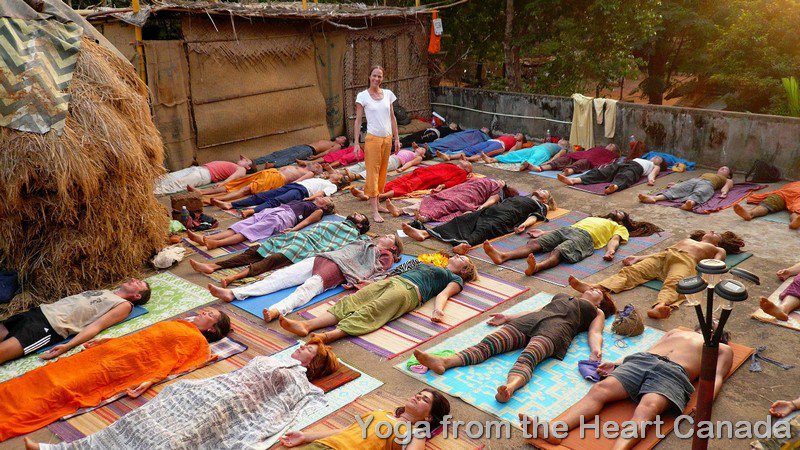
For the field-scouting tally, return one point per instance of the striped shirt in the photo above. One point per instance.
(322, 237)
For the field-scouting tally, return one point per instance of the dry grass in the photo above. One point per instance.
(78, 210)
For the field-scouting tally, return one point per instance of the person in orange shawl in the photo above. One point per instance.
(785, 198)
(262, 181)
(107, 367)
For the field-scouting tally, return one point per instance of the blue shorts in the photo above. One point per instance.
(645, 373)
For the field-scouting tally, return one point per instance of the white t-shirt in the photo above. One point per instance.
(379, 119)
(647, 165)
(314, 185)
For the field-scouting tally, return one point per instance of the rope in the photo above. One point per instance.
(500, 114)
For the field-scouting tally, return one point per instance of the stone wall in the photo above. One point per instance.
(711, 138)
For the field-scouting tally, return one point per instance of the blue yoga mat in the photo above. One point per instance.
(778, 217)
(256, 305)
(552, 174)
(135, 312)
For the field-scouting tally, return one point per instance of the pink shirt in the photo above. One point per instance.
(220, 170)
(405, 156)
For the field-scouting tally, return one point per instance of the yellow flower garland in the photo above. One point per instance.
(437, 259)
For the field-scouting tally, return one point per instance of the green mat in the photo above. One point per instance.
(171, 296)
(730, 260)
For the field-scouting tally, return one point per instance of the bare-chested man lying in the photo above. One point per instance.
(670, 266)
(657, 380)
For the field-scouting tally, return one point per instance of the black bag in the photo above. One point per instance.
(9, 285)
(401, 115)
(201, 222)
(763, 172)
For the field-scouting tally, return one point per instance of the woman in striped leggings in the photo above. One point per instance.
(540, 334)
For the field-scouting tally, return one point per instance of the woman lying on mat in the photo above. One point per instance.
(512, 214)
(425, 410)
(234, 410)
(261, 225)
(695, 191)
(621, 175)
(293, 192)
(261, 181)
(106, 368)
(354, 264)
(575, 242)
(398, 163)
(436, 177)
(289, 248)
(577, 162)
(494, 146)
(790, 296)
(474, 194)
(533, 156)
(381, 302)
(787, 198)
(429, 135)
(543, 333)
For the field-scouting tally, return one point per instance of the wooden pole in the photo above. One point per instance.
(139, 48)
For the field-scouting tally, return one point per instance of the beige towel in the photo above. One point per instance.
(581, 132)
(607, 116)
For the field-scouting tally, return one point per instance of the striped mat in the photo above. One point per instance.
(414, 328)
(258, 341)
(387, 402)
(560, 274)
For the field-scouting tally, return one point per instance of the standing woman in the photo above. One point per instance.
(376, 104)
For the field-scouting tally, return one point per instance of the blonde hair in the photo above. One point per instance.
(469, 272)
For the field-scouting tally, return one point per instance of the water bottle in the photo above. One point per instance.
(632, 139)
(185, 216)
(547, 136)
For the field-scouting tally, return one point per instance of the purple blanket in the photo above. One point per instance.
(738, 192)
(599, 188)
(457, 141)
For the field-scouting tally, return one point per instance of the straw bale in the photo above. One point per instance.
(79, 211)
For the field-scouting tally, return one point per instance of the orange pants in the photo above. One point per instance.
(376, 160)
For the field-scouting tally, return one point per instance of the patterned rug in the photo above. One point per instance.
(794, 318)
(735, 195)
(171, 295)
(387, 402)
(222, 273)
(414, 328)
(555, 386)
(256, 339)
(599, 188)
(560, 274)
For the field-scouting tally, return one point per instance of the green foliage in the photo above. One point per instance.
(792, 96)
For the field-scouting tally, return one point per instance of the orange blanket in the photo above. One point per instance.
(84, 379)
(789, 192)
(262, 181)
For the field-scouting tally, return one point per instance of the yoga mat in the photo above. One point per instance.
(242, 246)
(170, 296)
(778, 217)
(135, 312)
(219, 274)
(738, 192)
(730, 260)
(560, 274)
(416, 327)
(387, 402)
(258, 341)
(622, 411)
(794, 318)
(555, 386)
(256, 305)
(552, 174)
(598, 189)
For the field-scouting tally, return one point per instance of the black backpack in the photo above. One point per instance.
(401, 115)
(763, 172)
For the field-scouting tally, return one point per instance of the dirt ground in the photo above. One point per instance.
(746, 395)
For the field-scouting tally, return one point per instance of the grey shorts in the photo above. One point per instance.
(696, 189)
(644, 373)
(572, 243)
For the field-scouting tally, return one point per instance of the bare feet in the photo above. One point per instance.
(221, 293)
(442, 156)
(30, 445)
(376, 217)
(578, 285)
(496, 256)
(659, 312)
(358, 193)
(741, 212)
(296, 327)
(269, 165)
(563, 178)
(301, 162)
(382, 209)
(203, 268)
(503, 394)
(327, 168)
(487, 159)
(197, 238)
(644, 198)
(270, 314)
(247, 213)
(531, 260)
(688, 205)
(772, 309)
(461, 249)
(192, 189)
(532, 428)
(568, 171)
(392, 209)
(211, 244)
(413, 233)
(535, 168)
(420, 217)
(414, 145)
(795, 223)
(435, 363)
(611, 188)
(220, 204)
(526, 166)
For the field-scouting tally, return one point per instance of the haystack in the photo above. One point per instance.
(78, 210)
